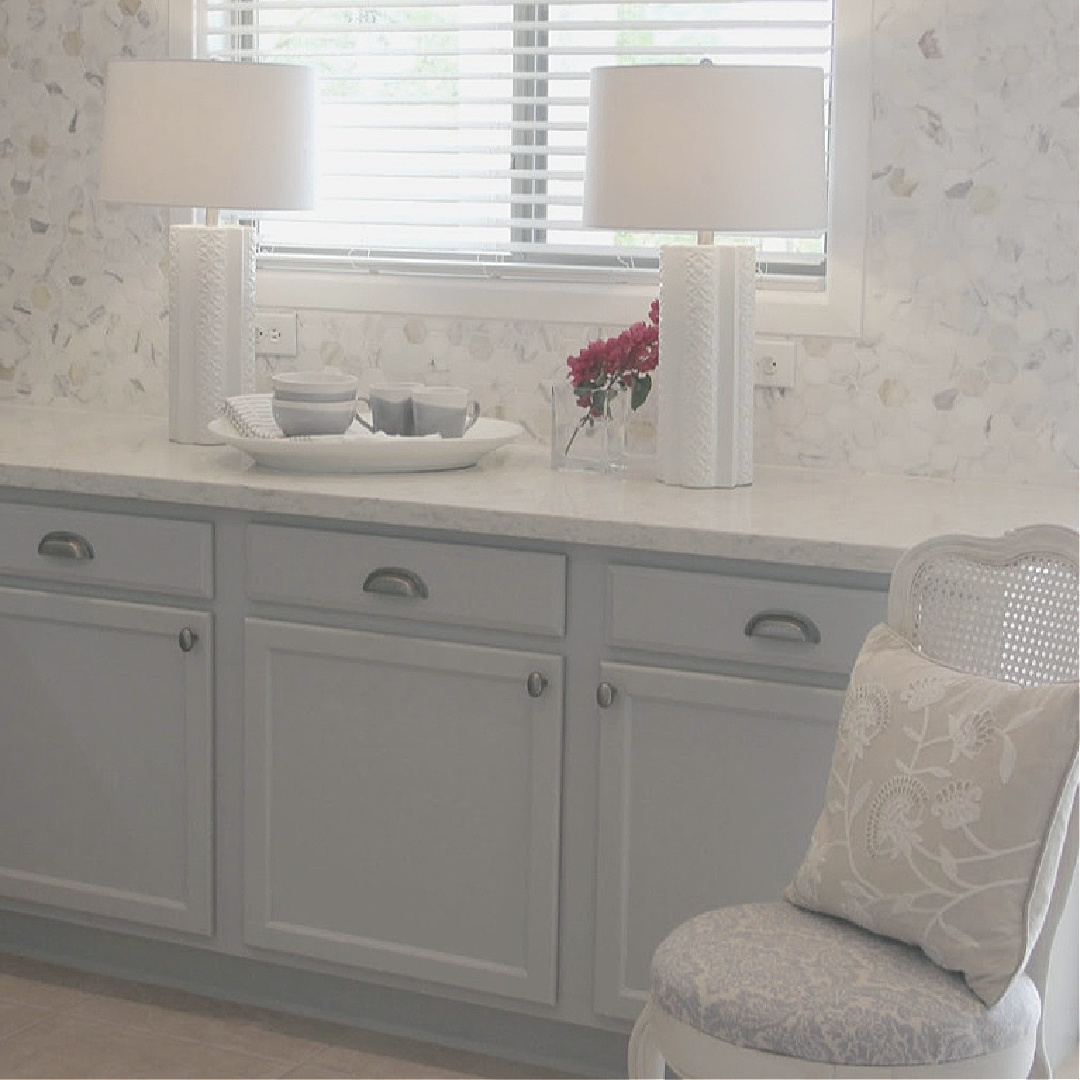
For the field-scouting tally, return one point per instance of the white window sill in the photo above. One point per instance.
(834, 311)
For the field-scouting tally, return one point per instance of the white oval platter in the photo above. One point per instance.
(359, 451)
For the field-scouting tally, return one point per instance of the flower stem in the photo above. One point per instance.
(586, 419)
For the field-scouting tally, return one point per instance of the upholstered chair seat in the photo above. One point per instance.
(780, 980)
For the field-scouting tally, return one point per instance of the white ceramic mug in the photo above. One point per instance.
(391, 408)
(444, 410)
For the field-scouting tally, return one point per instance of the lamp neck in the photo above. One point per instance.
(705, 237)
(213, 217)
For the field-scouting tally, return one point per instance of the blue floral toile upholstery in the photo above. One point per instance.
(776, 978)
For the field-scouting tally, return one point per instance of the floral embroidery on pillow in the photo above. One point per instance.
(970, 732)
(892, 826)
(942, 791)
(865, 715)
(957, 804)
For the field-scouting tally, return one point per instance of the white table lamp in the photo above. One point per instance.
(706, 148)
(213, 135)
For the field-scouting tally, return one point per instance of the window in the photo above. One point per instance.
(452, 136)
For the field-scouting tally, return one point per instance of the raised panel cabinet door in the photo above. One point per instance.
(402, 805)
(709, 788)
(106, 758)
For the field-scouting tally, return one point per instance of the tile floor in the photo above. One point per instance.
(56, 1022)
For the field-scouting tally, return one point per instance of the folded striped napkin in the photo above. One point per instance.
(252, 415)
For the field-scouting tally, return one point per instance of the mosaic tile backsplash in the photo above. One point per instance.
(967, 367)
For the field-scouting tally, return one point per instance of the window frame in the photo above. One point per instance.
(782, 309)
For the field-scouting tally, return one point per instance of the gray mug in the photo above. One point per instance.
(444, 410)
(391, 408)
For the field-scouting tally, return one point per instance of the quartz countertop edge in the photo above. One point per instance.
(789, 515)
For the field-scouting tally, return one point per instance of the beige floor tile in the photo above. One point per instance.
(15, 1016)
(43, 995)
(356, 1064)
(354, 1052)
(189, 1016)
(34, 982)
(307, 1071)
(74, 1047)
(386, 1057)
(60, 1022)
(376, 1067)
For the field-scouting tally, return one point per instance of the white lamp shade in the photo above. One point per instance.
(706, 147)
(209, 133)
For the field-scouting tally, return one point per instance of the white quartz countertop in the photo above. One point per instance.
(796, 516)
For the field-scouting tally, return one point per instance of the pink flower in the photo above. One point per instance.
(622, 361)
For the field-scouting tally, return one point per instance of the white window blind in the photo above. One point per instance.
(452, 132)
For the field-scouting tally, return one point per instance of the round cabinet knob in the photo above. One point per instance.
(605, 695)
(535, 683)
(188, 637)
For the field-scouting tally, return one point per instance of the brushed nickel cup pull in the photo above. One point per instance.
(188, 638)
(395, 581)
(535, 683)
(783, 626)
(605, 695)
(65, 545)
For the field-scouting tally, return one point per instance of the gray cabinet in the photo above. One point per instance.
(416, 785)
(709, 784)
(708, 789)
(106, 758)
(106, 739)
(402, 793)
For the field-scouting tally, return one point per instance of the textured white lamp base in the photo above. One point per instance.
(705, 430)
(211, 324)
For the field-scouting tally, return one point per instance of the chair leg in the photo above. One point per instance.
(1040, 1066)
(644, 1061)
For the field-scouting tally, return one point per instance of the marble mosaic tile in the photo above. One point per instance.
(968, 362)
(82, 309)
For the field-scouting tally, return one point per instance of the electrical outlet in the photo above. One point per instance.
(774, 362)
(275, 333)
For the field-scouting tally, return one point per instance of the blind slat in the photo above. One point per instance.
(263, 26)
(240, 9)
(458, 126)
(602, 55)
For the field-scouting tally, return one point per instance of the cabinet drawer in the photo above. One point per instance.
(714, 616)
(414, 579)
(115, 550)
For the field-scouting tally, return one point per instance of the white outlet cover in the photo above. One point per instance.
(275, 333)
(774, 362)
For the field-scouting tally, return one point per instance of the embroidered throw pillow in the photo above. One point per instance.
(945, 811)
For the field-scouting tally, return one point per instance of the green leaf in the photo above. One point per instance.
(640, 391)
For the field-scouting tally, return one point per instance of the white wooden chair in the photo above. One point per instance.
(1006, 609)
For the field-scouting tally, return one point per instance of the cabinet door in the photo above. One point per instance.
(709, 788)
(105, 758)
(402, 805)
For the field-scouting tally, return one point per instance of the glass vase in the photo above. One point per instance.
(585, 443)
